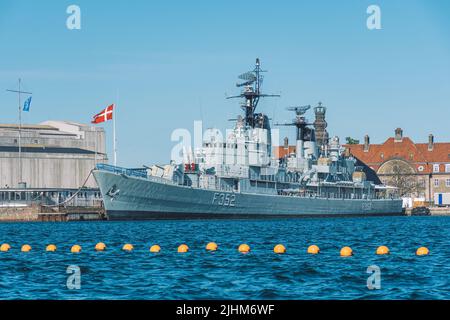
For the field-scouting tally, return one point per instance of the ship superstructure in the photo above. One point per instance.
(239, 175)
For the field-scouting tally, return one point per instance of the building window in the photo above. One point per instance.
(447, 167)
(15, 140)
(422, 183)
(382, 155)
(420, 168)
(447, 183)
(435, 167)
(436, 182)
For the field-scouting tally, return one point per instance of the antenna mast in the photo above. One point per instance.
(252, 92)
(299, 122)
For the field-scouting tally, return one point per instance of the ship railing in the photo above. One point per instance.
(161, 180)
(332, 195)
(140, 173)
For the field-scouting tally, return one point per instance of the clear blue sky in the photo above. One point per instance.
(173, 61)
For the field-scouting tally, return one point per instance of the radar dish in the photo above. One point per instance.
(248, 76)
(299, 110)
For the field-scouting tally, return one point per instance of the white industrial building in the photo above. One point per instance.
(54, 154)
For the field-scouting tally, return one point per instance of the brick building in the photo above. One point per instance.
(420, 169)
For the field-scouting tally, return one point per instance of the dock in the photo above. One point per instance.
(72, 214)
(42, 214)
(434, 211)
(51, 205)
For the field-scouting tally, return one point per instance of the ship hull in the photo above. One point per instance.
(134, 198)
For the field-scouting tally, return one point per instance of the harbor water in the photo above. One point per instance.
(226, 273)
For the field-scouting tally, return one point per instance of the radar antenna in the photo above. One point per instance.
(252, 92)
(299, 111)
(299, 122)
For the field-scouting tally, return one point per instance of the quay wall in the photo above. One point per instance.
(38, 213)
(19, 214)
(437, 211)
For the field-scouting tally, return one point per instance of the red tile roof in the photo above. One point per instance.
(415, 153)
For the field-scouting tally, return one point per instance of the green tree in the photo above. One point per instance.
(350, 140)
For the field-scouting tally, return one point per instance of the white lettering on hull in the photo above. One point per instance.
(224, 199)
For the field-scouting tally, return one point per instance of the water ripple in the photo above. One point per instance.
(227, 274)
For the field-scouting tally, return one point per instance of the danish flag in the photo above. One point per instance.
(104, 115)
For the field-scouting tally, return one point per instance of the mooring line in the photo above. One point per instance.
(72, 197)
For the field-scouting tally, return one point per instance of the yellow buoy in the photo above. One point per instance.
(5, 247)
(26, 248)
(100, 246)
(244, 248)
(183, 248)
(212, 246)
(382, 250)
(422, 251)
(313, 249)
(128, 247)
(155, 248)
(279, 248)
(75, 249)
(50, 248)
(346, 252)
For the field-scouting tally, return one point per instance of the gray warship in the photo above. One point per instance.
(240, 177)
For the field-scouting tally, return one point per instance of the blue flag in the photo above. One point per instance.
(26, 105)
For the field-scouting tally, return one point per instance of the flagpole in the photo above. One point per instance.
(19, 92)
(20, 136)
(95, 146)
(114, 129)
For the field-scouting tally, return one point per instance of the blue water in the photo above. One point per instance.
(228, 274)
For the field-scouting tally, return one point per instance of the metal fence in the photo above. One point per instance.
(10, 198)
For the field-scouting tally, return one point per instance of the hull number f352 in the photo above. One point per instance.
(224, 199)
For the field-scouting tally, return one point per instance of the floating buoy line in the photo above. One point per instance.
(211, 247)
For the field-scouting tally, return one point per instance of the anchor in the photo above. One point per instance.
(113, 192)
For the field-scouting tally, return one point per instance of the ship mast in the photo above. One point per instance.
(299, 122)
(251, 93)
